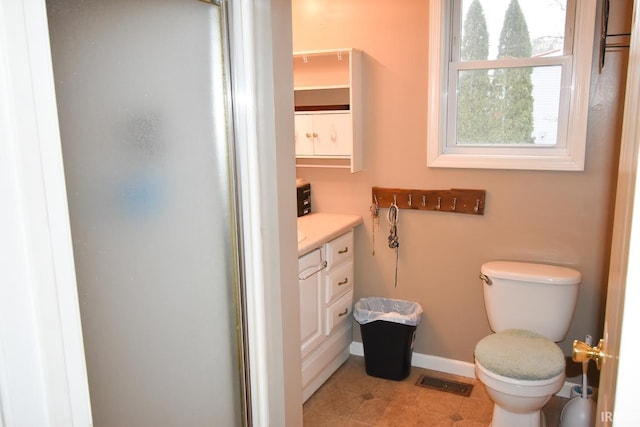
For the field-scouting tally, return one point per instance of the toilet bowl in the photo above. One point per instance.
(520, 365)
(520, 370)
(518, 402)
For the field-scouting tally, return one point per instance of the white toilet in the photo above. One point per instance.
(529, 307)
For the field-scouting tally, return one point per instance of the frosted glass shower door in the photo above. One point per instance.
(143, 109)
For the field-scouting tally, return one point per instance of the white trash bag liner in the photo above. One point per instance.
(391, 310)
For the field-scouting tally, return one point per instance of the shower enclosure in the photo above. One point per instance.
(143, 102)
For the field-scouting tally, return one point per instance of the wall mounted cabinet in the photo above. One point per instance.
(328, 111)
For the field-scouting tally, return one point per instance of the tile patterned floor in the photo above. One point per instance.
(351, 398)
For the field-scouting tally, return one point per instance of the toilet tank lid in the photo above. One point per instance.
(531, 272)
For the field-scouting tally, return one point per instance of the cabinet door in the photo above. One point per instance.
(310, 278)
(334, 134)
(304, 134)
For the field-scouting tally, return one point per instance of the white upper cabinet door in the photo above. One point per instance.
(304, 134)
(334, 136)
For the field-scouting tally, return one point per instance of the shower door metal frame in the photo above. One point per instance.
(244, 376)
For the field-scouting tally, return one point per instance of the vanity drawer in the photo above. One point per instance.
(340, 250)
(339, 312)
(339, 281)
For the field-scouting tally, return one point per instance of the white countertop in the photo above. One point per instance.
(319, 228)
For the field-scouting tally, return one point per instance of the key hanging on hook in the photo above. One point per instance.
(375, 207)
(375, 215)
(392, 219)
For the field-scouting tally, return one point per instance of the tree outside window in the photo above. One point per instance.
(495, 106)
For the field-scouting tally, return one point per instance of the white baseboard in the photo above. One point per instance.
(449, 366)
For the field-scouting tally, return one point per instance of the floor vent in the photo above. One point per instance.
(449, 386)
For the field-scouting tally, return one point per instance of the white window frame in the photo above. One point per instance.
(567, 155)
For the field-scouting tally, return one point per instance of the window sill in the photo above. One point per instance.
(528, 162)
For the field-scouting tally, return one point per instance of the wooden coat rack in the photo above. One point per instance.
(453, 201)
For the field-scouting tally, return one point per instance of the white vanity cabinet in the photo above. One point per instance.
(328, 118)
(326, 306)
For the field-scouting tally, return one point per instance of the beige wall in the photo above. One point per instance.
(557, 217)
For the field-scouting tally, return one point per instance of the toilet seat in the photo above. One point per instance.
(520, 354)
(522, 388)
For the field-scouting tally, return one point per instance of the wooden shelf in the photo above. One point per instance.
(323, 87)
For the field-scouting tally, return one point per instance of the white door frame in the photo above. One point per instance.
(618, 402)
(42, 367)
(262, 77)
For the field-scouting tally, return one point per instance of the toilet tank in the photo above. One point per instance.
(538, 297)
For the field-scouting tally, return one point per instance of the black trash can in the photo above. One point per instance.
(388, 329)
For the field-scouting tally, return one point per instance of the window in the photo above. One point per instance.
(509, 88)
